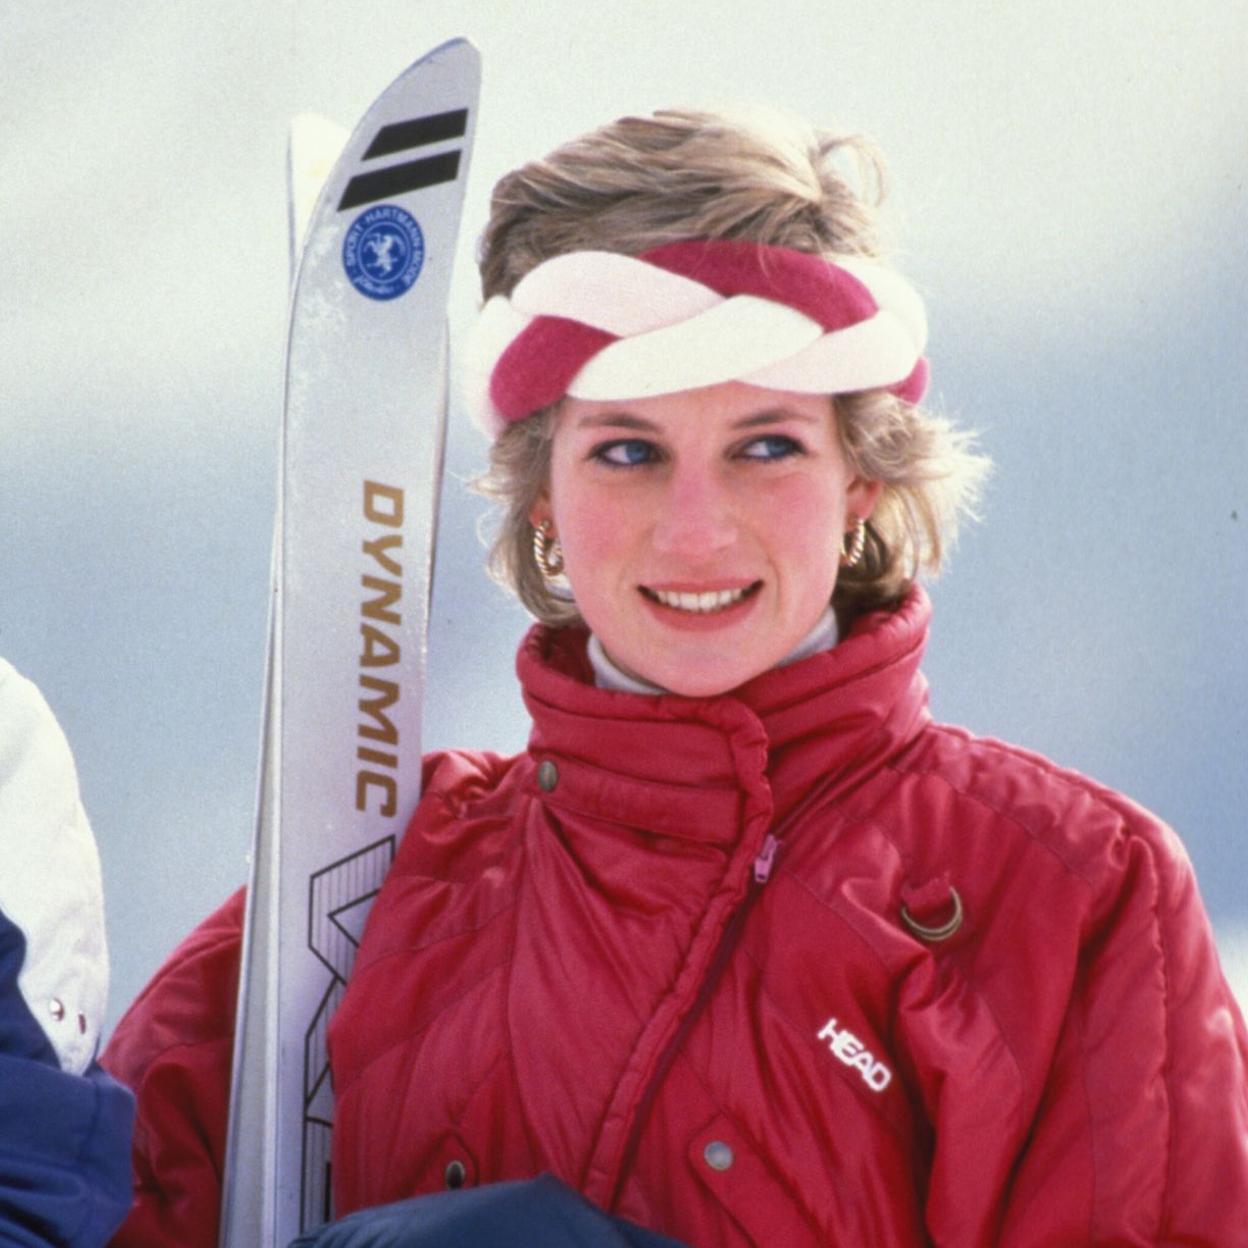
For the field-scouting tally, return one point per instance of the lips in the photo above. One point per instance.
(700, 601)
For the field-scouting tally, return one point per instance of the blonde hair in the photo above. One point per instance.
(641, 182)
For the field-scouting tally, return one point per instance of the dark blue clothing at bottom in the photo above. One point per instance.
(64, 1138)
(541, 1211)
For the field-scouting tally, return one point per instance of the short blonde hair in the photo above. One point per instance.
(641, 182)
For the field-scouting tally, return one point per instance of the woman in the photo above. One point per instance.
(744, 948)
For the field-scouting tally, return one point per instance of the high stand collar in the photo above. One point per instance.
(668, 763)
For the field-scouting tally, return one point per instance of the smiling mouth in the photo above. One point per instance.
(705, 603)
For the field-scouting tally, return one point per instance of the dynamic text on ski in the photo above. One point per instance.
(380, 649)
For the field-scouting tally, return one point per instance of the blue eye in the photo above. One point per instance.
(770, 447)
(627, 453)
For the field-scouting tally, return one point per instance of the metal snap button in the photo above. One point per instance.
(455, 1174)
(56, 1008)
(547, 776)
(718, 1155)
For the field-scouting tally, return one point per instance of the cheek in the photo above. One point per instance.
(804, 525)
(591, 523)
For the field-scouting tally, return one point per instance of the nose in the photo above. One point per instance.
(696, 517)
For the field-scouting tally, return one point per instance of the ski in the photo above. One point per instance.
(360, 476)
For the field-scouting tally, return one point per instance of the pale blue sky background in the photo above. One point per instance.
(1069, 195)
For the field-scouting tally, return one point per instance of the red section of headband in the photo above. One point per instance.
(539, 364)
(825, 293)
(542, 360)
(915, 386)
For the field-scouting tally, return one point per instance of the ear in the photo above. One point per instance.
(541, 510)
(861, 498)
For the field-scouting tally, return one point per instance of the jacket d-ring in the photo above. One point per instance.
(791, 966)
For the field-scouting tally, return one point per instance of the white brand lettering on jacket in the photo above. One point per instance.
(849, 1049)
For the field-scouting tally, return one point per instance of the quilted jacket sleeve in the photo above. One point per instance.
(1145, 1115)
(173, 1048)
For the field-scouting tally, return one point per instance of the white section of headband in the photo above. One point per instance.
(619, 294)
(731, 339)
(871, 353)
(498, 325)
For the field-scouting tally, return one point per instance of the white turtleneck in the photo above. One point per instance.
(609, 675)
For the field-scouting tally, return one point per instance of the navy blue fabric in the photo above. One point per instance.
(539, 1211)
(20, 1035)
(64, 1138)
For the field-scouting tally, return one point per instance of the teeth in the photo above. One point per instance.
(712, 600)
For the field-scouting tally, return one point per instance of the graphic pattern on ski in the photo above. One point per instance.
(339, 898)
(367, 188)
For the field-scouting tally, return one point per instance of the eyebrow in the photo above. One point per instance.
(624, 420)
(616, 420)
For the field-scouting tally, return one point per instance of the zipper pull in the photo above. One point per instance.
(766, 857)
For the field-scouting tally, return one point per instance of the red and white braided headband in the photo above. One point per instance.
(599, 325)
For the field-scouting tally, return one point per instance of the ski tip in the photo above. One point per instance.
(459, 41)
(315, 144)
(460, 51)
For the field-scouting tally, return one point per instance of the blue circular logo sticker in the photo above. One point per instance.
(383, 252)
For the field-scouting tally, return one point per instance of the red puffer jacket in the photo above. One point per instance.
(790, 967)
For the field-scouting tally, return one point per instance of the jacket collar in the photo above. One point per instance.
(694, 767)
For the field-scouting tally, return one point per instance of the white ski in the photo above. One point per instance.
(360, 477)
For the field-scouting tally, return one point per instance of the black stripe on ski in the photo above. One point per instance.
(399, 136)
(415, 175)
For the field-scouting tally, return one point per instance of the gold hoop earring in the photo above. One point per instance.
(852, 557)
(547, 553)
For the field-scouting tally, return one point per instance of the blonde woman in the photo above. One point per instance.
(744, 949)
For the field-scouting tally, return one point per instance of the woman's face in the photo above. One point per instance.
(701, 530)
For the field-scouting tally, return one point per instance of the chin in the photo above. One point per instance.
(701, 685)
(696, 671)
(705, 691)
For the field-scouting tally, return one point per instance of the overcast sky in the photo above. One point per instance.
(1069, 194)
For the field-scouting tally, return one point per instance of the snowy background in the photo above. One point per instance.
(1070, 196)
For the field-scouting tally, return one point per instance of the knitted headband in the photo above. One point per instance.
(599, 325)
